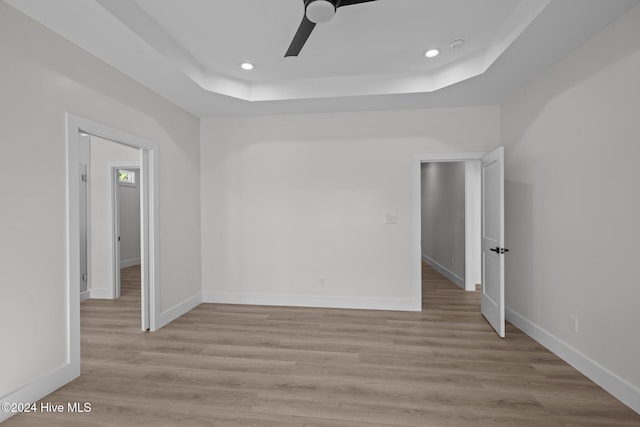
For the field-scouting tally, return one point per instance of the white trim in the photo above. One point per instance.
(113, 208)
(457, 280)
(130, 262)
(621, 389)
(149, 235)
(73, 254)
(85, 295)
(318, 301)
(472, 224)
(179, 309)
(101, 293)
(40, 387)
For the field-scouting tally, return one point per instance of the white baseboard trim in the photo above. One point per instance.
(317, 301)
(101, 293)
(85, 295)
(459, 281)
(178, 310)
(621, 389)
(40, 387)
(130, 262)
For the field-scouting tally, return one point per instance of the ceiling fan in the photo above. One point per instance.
(316, 12)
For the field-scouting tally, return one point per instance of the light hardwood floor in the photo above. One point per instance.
(226, 365)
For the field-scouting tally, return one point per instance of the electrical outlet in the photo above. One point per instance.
(323, 281)
(573, 323)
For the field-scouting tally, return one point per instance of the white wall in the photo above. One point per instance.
(129, 214)
(43, 77)
(104, 155)
(443, 218)
(573, 207)
(288, 200)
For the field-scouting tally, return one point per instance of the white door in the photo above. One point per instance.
(493, 250)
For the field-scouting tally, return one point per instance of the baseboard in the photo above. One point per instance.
(130, 262)
(317, 301)
(621, 389)
(85, 295)
(178, 310)
(101, 293)
(459, 281)
(40, 387)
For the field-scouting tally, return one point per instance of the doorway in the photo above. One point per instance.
(126, 220)
(484, 195)
(467, 220)
(77, 129)
(450, 220)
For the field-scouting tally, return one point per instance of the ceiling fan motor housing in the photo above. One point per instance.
(316, 12)
(319, 11)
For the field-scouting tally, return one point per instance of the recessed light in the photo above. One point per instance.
(247, 66)
(432, 53)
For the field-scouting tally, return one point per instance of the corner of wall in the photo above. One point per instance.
(621, 389)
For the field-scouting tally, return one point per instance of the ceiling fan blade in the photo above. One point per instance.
(350, 2)
(303, 33)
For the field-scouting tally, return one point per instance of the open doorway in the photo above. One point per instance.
(126, 236)
(450, 220)
(81, 245)
(113, 213)
(127, 220)
(484, 228)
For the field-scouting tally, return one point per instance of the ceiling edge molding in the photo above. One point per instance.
(136, 20)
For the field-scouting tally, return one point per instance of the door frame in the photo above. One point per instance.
(471, 273)
(87, 293)
(113, 217)
(149, 233)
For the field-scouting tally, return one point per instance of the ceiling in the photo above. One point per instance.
(369, 56)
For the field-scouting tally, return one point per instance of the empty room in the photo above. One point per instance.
(319, 213)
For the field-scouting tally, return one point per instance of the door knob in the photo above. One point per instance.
(499, 250)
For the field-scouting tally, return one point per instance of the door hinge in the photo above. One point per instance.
(84, 177)
(84, 277)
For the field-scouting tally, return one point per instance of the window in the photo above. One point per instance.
(126, 177)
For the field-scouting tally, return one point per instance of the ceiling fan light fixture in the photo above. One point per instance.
(319, 11)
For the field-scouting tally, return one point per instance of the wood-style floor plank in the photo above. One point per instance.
(231, 365)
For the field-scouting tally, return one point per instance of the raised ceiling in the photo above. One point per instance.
(369, 49)
(369, 56)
